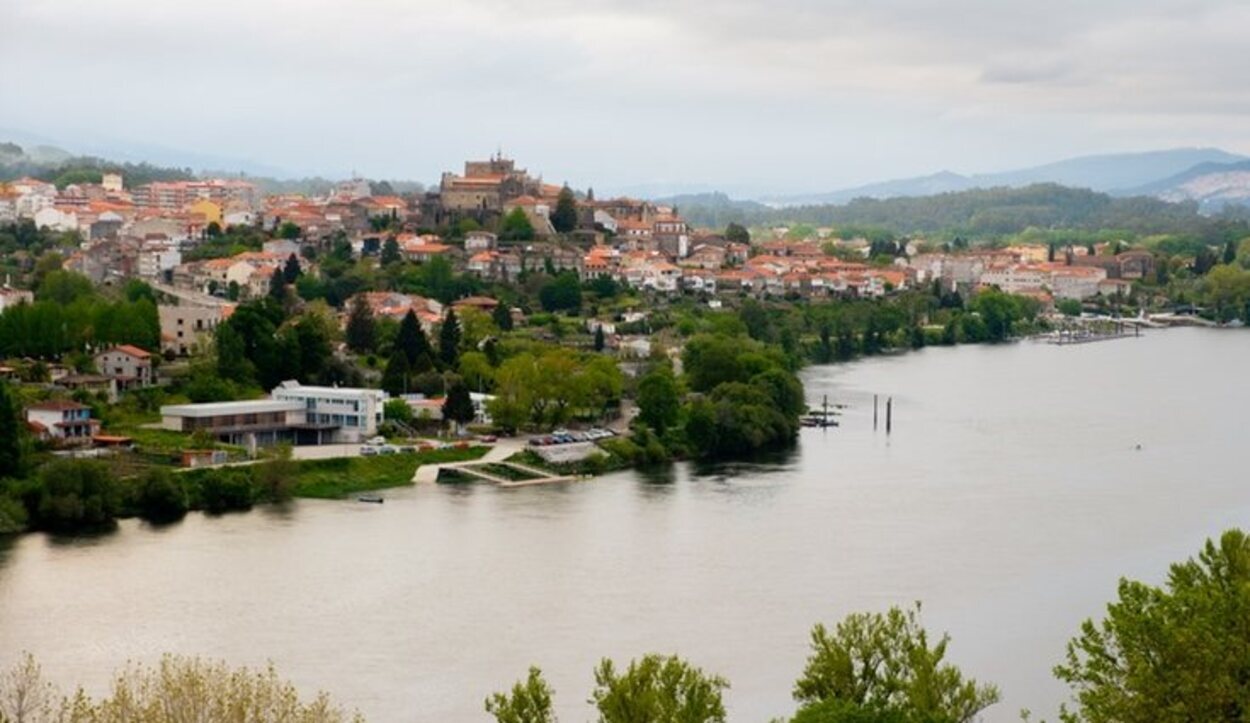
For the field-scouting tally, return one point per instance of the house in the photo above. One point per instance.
(63, 422)
(476, 241)
(187, 327)
(12, 297)
(129, 365)
(97, 384)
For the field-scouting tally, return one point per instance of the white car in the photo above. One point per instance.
(376, 441)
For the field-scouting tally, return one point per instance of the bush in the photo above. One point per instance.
(12, 515)
(225, 490)
(160, 497)
(74, 495)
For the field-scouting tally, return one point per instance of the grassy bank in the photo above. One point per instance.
(334, 478)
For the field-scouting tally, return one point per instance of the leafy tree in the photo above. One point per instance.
(883, 664)
(449, 340)
(1176, 653)
(225, 490)
(1230, 252)
(390, 251)
(361, 332)
(64, 287)
(289, 231)
(564, 292)
(161, 498)
(528, 701)
(232, 362)
(1204, 261)
(658, 689)
(1069, 307)
(475, 369)
(564, 217)
(659, 403)
(737, 233)
(516, 226)
(397, 410)
(74, 495)
(458, 407)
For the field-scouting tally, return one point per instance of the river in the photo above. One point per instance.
(1009, 499)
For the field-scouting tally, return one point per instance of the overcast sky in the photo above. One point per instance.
(746, 95)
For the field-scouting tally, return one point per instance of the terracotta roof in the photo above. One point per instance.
(57, 405)
(131, 350)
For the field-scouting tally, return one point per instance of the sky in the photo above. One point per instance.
(749, 96)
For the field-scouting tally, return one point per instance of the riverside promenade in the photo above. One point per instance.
(496, 457)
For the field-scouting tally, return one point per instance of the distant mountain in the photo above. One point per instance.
(1212, 185)
(1104, 173)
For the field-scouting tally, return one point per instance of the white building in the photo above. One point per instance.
(357, 413)
(158, 257)
(12, 297)
(64, 421)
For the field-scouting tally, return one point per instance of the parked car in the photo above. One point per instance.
(488, 438)
(376, 441)
(388, 449)
(368, 451)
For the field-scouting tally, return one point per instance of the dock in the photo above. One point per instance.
(487, 469)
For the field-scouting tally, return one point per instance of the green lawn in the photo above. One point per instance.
(335, 478)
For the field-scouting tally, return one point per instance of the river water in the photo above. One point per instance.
(1009, 498)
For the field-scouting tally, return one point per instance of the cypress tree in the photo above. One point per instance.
(502, 317)
(600, 342)
(395, 378)
(10, 435)
(458, 407)
(449, 340)
(411, 339)
(361, 333)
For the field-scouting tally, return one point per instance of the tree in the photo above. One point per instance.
(74, 495)
(528, 701)
(564, 292)
(1230, 252)
(658, 689)
(291, 270)
(1069, 307)
(659, 403)
(289, 231)
(458, 407)
(600, 340)
(212, 230)
(502, 316)
(390, 251)
(395, 377)
(1176, 653)
(25, 696)
(737, 233)
(232, 362)
(564, 217)
(11, 435)
(516, 226)
(883, 664)
(449, 340)
(361, 332)
(64, 287)
(276, 477)
(397, 410)
(411, 340)
(277, 285)
(161, 497)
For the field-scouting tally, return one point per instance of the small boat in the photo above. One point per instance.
(817, 420)
(376, 499)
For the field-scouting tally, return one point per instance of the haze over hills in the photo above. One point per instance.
(1108, 173)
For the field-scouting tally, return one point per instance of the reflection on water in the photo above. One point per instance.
(1010, 498)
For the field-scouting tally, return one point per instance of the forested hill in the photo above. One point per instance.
(981, 213)
(56, 166)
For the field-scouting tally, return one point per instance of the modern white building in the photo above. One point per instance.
(357, 413)
(294, 413)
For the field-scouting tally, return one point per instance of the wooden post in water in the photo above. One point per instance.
(874, 412)
(889, 408)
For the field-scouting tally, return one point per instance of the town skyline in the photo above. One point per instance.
(750, 101)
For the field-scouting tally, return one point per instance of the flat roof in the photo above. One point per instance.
(215, 409)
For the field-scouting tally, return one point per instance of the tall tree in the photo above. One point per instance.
(291, 270)
(883, 664)
(10, 434)
(527, 702)
(516, 226)
(502, 316)
(1230, 252)
(737, 233)
(600, 340)
(362, 330)
(658, 400)
(390, 251)
(277, 285)
(395, 377)
(564, 217)
(1176, 653)
(458, 406)
(449, 340)
(658, 688)
(411, 339)
(232, 362)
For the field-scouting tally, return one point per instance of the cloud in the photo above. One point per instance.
(784, 94)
